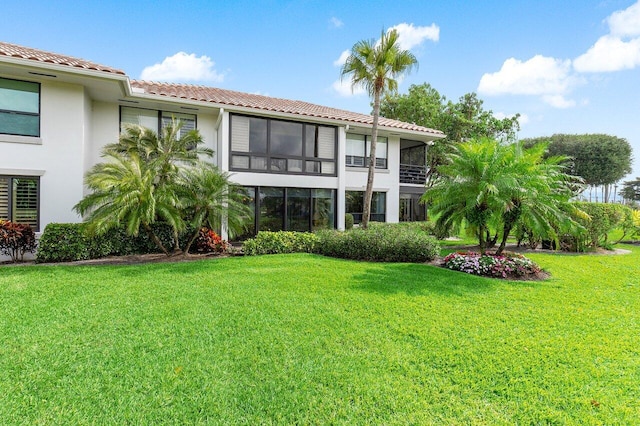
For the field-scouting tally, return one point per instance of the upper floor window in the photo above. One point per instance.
(156, 120)
(19, 107)
(359, 150)
(19, 200)
(278, 146)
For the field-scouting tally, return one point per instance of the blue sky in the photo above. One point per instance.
(567, 67)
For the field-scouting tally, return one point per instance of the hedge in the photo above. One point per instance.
(267, 242)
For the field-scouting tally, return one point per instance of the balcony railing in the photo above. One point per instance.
(413, 174)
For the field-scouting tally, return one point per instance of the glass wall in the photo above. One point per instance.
(291, 209)
(354, 201)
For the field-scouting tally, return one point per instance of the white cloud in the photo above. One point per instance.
(522, 119)
(335, 22)
(342, 59)
(410, 36)
(609, 53)
(183, 67)
(559, 101)
(539, 75)
(625, 23)
(343, 88)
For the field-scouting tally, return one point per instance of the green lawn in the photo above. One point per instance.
(301, 339)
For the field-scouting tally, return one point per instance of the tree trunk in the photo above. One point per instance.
(190, 242)
(505, 234)
(368, 194)
(154, 238)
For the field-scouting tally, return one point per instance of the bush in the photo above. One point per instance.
(379, 243)
(507, 265)
(348, 221)
(69, 242)
(209, 242)
(603, 218)
(16, 239)
(267, 242)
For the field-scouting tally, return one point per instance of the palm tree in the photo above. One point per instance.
(165, 153)
(486, 182)
(209, 198)
(124, 192)
(375, 65)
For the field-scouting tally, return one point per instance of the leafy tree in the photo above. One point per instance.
(601, 160)
(485, 182)
(464, 120)
(375, 65)
(631, 190)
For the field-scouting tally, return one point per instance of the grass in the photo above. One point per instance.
(301, 339)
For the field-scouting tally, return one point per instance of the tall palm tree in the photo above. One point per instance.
(124, 192)
(209, 198)
(375, 65)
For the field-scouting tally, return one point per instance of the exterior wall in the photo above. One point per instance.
(57, 156)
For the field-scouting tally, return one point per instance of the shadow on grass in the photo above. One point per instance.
(416, 280)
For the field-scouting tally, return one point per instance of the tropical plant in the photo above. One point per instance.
(124, 193)
(375, 65)
(487, 185)
(208, 198)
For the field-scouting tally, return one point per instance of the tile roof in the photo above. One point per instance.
(266, 103)
(15, 51)
(215, 95)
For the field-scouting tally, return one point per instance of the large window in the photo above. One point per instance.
(19, 200)
(156, 120)
(355, 205)
(359, 150)
(19, 107)
(277, 146)
(291, 209)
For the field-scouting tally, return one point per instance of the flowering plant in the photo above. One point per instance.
(210, 242)
(491, 265)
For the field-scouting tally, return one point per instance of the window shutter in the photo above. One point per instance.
(4, 198)
(25, 201)
(240, 134)
(326, 142)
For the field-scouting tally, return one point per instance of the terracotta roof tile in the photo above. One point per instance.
(266, 103)
(15, 51)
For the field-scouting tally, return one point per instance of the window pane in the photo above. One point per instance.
(258, 135)
(21, 96)
(294, 165)
(188, 121)
(323, 205)
(328, 167)
(311, 138)
(19, 124)
(354, 200)
(312, 167)
(271, 209)
(298, 215)
(278, 165)
(286, 138)
(143, 117)
(355, 145)
(258, 163)
(240, 161)
(250, 200)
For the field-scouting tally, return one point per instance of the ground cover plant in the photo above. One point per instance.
(305, 339)
(505, 265)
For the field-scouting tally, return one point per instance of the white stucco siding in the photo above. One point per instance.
(58, 155)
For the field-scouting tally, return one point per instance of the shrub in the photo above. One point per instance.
(267, 242)
(602, 219)
(503, 266)
(348, 221)
(379, 243)
(68, 242)
(16, 239)
(208, 241)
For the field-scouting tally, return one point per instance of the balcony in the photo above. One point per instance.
(413, 174)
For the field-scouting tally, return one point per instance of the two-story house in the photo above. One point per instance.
(302, 164)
